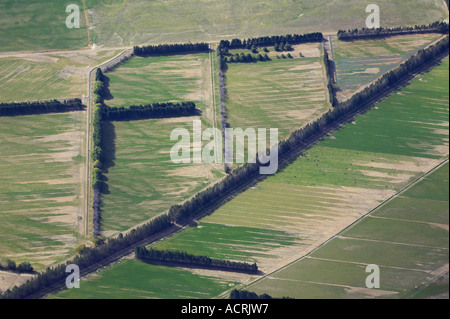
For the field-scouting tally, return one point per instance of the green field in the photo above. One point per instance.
(41, 160)
(410, 252)
(361, 62)
(36, 25)
(48, 76)
(132, 279)
(176, 78)
(283, 93)
(136, 22)
(143, 181)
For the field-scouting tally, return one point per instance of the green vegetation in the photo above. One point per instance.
(360, 62)
(37, 25)
(410, 252)
(178, 21)
(283, 94)
(177, 78)
(40, 160)
(48, 76)
(132, 279)
(329, 186)
(142, 180)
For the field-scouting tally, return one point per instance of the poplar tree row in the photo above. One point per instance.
(155, 110)
(354, 34)
(185, 259)
(165, 49)
(39, 107)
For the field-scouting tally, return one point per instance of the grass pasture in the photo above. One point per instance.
(42, 165)
(361, 62)
(175, 78)
(411, 253)
(37, 25)
(121, 23)
(132, 279)
(284, 94)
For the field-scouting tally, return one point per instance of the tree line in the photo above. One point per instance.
(185, 259)
(10, 265)
(165, 49)
(39, 107)
(330, 84)
(269, 41)
(353, 34)
(98, 154)
(247, 58)
(155, 110)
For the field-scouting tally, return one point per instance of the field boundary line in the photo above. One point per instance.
(402, 190)
(389, 242)
(364, 264)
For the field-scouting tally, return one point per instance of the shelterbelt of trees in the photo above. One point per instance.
(220, 191)
(155, 110)
(354, 34)
(10, 265)
(40, 107)
(244, 294)
(165, 49)
(330, 85)
(185, 259)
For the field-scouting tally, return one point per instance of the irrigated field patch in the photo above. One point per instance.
(41, 160)
(361, 62)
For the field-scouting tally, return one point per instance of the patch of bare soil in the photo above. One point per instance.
(8, 280)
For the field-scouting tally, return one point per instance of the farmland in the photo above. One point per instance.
(118, 23)
(36, 25)
(148, 282)
(142, 180)
(361, 62)
(41, 159)
(88, 187)
(162, 79)
(328, 187)
(408, 241)
(321, 193)
(48, 76)
(282, 93)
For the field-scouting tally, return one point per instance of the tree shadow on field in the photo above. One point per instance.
(107, 94)
(109, 150)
